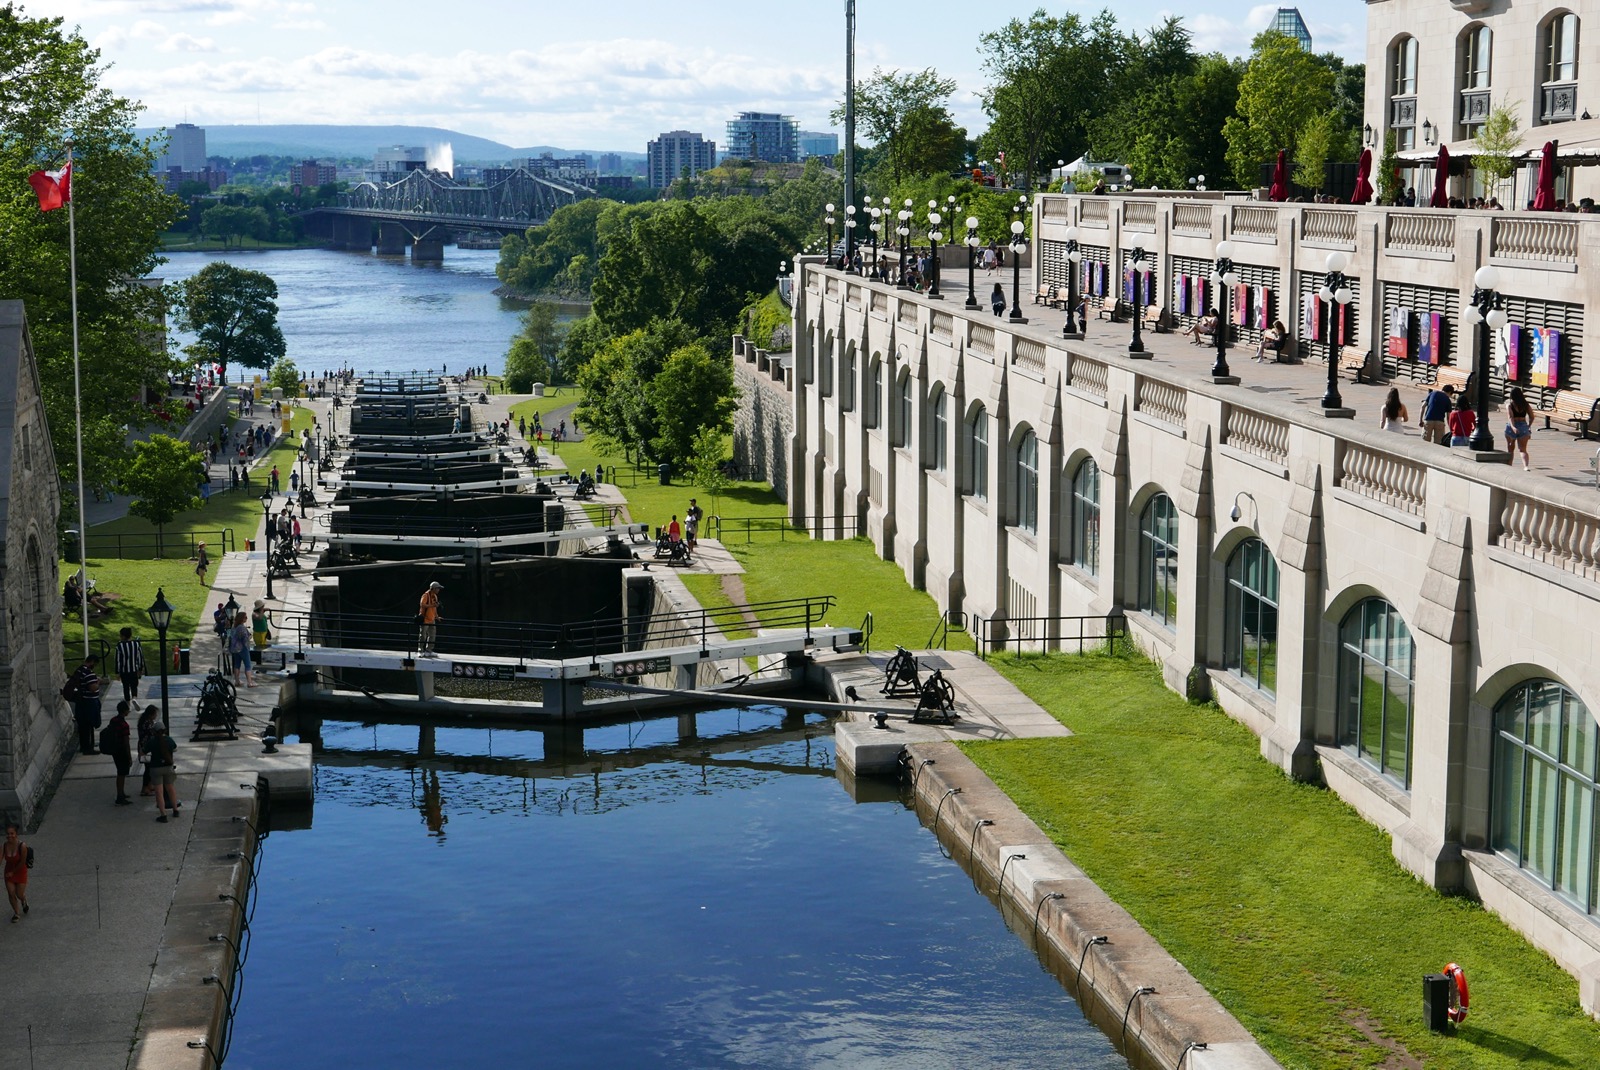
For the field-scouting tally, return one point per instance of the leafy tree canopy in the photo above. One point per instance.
(1282, 89)
(536, 350)
(234, 314)
(161, 478)
(907, 116)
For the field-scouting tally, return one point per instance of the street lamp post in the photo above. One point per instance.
(1074, 256)
(266, 532)
(161, 619)
(1136, 257)
(1222, 277)
(303, 484)
(904, 230)
(849, 237)
(875, 226)
(934, 236)
(972, 259)
(1335, 290)
(1018, 243)
(1483, 311)
(829, 219)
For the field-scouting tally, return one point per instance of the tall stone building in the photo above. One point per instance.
(35, 725)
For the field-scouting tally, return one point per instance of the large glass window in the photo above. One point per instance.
(875, 393)
(1375, 673)
(940, 443)
(978, 454)
(1086, 518)
(1028, 483)
(902, 411)
(1561, 49)
(1403, 68)
(1546, 753)
(1158, 560)
(1476, 46)
(1250, 618)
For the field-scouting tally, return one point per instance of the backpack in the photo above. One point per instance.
(69, 690)
(108, 740)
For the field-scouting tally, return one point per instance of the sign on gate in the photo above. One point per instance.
(482, 672)
(640, 666)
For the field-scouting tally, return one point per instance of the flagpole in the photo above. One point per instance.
(77, 397)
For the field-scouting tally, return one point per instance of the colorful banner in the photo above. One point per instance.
(1509, 342)
(1264, 309)
(1545, 367)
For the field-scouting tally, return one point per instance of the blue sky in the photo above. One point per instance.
(606, 75)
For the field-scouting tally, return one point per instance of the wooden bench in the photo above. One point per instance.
(1579, 410)
(1155, 318)
(1288, 351)
(1049, 296)
(1451, 375)
(1108, 307)
(1355, 362)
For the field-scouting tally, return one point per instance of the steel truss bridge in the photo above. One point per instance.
(428, 206)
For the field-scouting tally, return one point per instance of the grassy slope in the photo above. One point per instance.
(1277, 896)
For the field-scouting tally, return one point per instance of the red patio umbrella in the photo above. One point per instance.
(1280, 180)
(1441, 176)
(1363, 190)
(1544, 198)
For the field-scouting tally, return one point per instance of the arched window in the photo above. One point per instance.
(902, 410)
(1403, 92)
(939, 437)
(1028, 483)
(847, 381)
(1476, 46)
(1250, 618)
(978, 454)
(1086, 518)
(1543, 776)
(1375, 672)
(874, 415)
(826, 357)
(1158, 560)
(1559, 92)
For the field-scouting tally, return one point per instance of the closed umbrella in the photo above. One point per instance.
(1363, 190)
(1441, 177)
(1544, 198)
(1280, 180)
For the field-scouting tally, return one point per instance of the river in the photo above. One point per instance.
(381, 313)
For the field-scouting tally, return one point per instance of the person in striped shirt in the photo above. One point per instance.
(130, 663)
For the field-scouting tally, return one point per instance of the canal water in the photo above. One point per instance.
(380, 313)
(728, 906)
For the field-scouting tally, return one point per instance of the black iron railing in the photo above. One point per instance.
(158, 547)
(1047, 633)
(727, 529)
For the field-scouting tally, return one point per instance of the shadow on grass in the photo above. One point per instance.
(1514, 1050)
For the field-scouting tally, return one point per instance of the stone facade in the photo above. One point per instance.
(1014, 473)
(763, 426)
(35, 724)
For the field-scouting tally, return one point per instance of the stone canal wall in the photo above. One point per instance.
(764, 423)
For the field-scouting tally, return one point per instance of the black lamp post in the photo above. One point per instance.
(303, 484)
(1074, 257)
(876, 226)
(1335, 291)
(829, 220)
(972, 258)
(161, 619)
(1483, 310)
(266, 532)
(934, 236)
(1222, 277)
(1018, 243)
(1136, 255)
(848, 258)
(904, 230)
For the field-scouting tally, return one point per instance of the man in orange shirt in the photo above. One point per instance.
(428, 615)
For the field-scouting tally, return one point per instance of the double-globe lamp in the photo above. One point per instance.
(1017, 245)
(1223, 277)
(935, 236)
(1074, 258)
(1335, 289)
(1484, 312)
(972, 258)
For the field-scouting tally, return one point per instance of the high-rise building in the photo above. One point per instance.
(677, 154)
(186, 149)
(811, 143)
(1288, 22)
(610, 163)
(761, 135)
(309, 174)
(392, 163)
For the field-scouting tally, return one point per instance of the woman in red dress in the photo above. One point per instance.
(15, 853)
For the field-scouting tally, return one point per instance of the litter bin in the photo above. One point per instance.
(664, 472)
(249, 544)
(70, 547)
(182, 658)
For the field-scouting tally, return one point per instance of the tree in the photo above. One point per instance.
(693, 392)
(234, 314)
(535, 352)
(907, 116)
(1316, 145)
(1283, 87)
(161, 480)
(705, 464)
(619, 408)
(50, 86)
(1499, 139)
(286, 377)
(583, 340)
(1389, 184)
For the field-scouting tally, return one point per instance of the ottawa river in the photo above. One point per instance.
(631, 907)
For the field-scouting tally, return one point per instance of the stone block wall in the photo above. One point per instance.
(763, 426)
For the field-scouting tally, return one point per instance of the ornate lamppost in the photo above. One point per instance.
(1222, 277)
(829, 218)
(972, 259)
(1484, 312)
(875, 226)
(1335, 289)
(1018, 244)
(903, 217)
(934, 236)
(267, 534)
(1136, 256)
(161, 619)
(849, 255)
(1074, 257)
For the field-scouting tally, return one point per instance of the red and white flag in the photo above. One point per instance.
(54, 188)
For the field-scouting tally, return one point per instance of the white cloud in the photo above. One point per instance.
(182, 42)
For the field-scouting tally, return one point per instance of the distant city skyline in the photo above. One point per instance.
(569, 80)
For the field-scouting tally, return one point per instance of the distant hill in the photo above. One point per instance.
(362, 141)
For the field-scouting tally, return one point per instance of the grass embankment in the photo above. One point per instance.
(1277, 896)
(134, 582)
(183, 242)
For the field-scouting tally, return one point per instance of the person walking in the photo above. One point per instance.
(83, 689)
(1519, 426)
(239, 649)
(691, 522)
(116, 740)
(428, 617)
(145, 730)
(130, 663)
(260, 627)
(202, 561)
(15, 854)
(1462, 420)
(1393, 417)
(164, 771)
(1435, 415)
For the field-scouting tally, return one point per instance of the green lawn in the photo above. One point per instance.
(1277, 896)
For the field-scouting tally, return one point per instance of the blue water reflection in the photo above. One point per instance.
(716, 913)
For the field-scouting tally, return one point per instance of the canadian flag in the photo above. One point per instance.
(54, 188)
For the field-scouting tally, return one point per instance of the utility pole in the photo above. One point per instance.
(850, 102)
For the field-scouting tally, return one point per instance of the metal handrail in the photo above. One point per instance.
(951, 619)
(866, 632)
(162, 545)
(722, 528)
(992, 632)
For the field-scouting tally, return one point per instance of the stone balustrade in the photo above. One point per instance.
(1329, 226)
(1430, 231)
